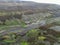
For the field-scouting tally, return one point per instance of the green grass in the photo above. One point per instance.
(12, 23)
(16, 22)
(24, 43)
(4, 27)
(9, 41)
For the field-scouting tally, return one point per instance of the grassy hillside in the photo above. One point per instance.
(29, 23)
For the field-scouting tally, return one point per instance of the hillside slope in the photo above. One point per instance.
(28, 6)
